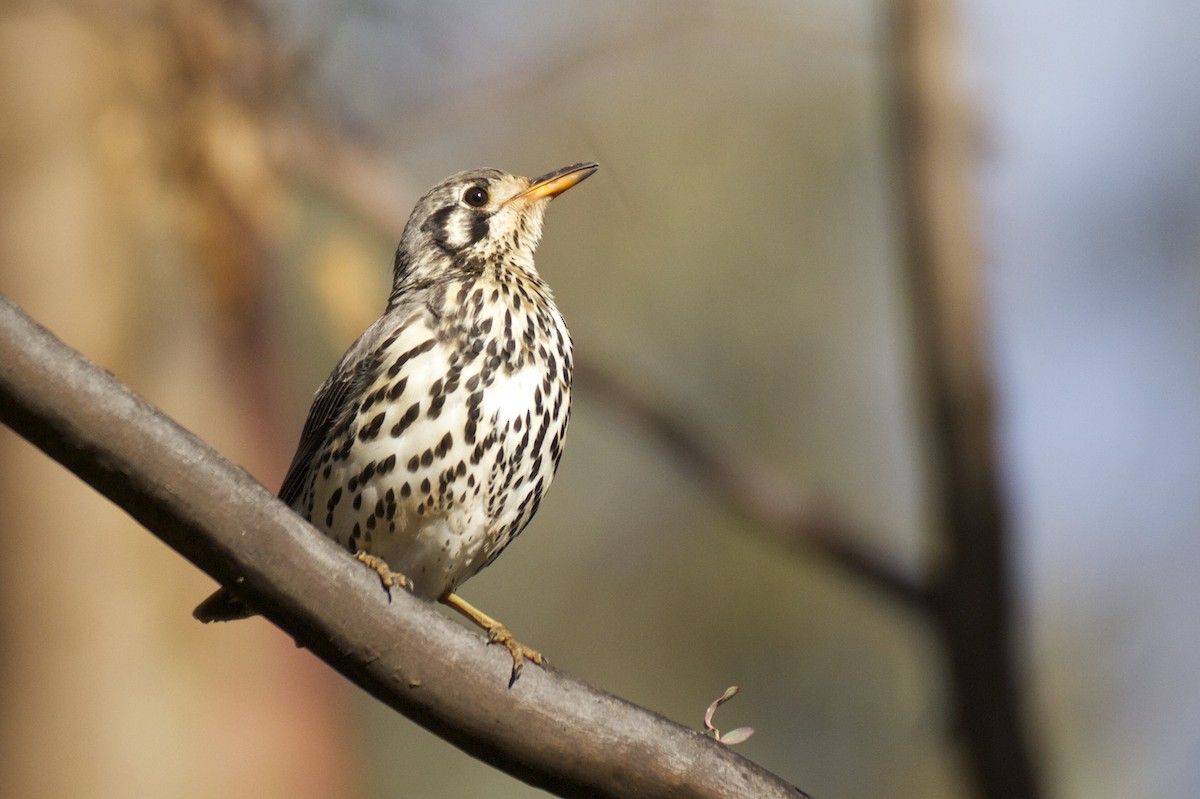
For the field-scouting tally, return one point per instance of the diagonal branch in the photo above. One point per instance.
(550, 730)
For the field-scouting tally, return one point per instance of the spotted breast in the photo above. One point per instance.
(434, 439)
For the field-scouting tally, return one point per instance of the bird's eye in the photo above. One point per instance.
(475, 197)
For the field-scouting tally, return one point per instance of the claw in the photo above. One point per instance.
(497, 633)
(389, 578)
(519, 652)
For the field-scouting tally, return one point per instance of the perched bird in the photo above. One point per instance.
(430, 445)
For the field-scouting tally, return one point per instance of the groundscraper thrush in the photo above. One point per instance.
(430, 445)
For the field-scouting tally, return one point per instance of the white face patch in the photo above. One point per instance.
(462, 227)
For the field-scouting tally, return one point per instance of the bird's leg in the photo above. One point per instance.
(389, 578)
(497, 634)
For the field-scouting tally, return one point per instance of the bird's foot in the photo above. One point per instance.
(520, 653)
(389, 578)
(497, 633)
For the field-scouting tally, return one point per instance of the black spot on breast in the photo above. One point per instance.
(396, 389)
(405, 357)
(541, 433)
(435, 406)
(407, 419)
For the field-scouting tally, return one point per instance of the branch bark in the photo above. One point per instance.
(549, 730)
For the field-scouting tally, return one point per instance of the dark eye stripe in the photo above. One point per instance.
(479, 227)
(436, 225)
(475, 225)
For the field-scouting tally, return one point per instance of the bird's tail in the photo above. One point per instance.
(222, 606)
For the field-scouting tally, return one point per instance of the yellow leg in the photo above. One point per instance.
(389, 578)
(497, 634)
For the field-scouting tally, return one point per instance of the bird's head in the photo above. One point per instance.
(475, 217)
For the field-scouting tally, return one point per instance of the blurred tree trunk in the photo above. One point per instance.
(971, 586)
(95, 703)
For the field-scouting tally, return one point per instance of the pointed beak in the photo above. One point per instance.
(555, 183)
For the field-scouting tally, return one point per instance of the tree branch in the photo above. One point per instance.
(549, 730)
(777, 507)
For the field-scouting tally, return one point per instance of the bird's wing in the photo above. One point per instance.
(334, 398)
